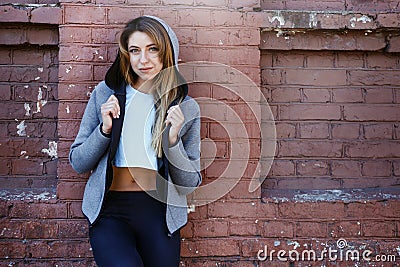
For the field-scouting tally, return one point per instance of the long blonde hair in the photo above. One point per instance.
(165, 84)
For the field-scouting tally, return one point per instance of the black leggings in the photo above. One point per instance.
(132, 232)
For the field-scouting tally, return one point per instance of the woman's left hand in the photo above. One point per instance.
(176, 118)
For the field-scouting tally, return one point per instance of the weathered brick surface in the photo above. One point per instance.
(333, 93)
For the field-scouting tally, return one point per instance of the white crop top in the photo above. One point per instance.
(134, 149)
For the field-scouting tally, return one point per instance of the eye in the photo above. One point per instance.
(154, 49)
(134, 51)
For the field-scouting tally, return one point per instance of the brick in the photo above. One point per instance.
(372, 112)
(27, 167)
(320, 60)
(378, 131)
(396, 168)
(83, 53)
(348, 95)
(194, 17)
(38, 210)
(105, 35)
(178, 2)
(289, 59)
(84, 15)
(316, 77)
(316, 95)
(12, 250)
(241, 190)
(379, 96)
(11, 229)
(233, 209)
(211, 36)
(373, 149)
(244, 228)
(226, 18)
(68, 190)
(244, 5)
(312, 168)
(350, 60)
(388, 20)
(394, 44)
(314, 130)
(61, 249)
(73, 229)
(234, 56)
(272, 76)
(311, 210)
(305, 183)
(5, 92)
(47, 15)
(381, 61)
(73, 34)
(282, 168)
(244, 37)
(278, 229)
(12, 36)
(285, 130)
(5, 56)
(344, 229)
(121, 15)
(379, 229)
(310, 112)
(286, 94)
(45, 36)
(373, 77)
(75, 210)
(215, 3)
(201, 248)
(40, 229)
(377, 168)
(211, 228)
(345, 131)
(75, 72)
(316, 5)
(311, 229)
(12, 14)
(302, 148)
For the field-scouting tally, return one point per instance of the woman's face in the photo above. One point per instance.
(144, 57)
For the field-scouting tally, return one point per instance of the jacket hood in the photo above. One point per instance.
(115, 80)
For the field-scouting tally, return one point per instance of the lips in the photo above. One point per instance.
(145, 69)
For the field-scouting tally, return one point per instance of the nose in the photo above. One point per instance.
(143, 56)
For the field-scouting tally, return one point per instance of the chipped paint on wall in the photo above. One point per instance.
(21, 129)
(364, 19)
(52, 150)
(23, 196)
(27, 109)
(278, 17)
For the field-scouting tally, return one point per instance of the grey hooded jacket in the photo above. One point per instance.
(178, 168)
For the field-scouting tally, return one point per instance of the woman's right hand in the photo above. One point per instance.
(109, 110)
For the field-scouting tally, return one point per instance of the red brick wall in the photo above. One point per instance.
(332, 82)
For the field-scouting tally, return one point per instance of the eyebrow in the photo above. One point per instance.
(135, 46)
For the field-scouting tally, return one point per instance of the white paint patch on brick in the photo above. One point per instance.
(52, 150)
(364, 19)
(21, 129)
(278, 17)
(30, 195)
(27, 109)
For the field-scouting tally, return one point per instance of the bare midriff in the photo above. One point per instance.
(133, 179)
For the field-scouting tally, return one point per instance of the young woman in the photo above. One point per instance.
(140, 138)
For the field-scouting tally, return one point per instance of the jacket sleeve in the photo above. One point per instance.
(184, 156)
(90, 144)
